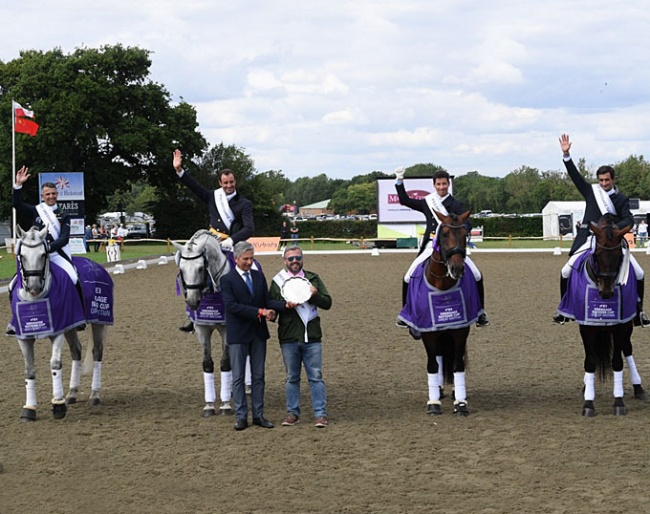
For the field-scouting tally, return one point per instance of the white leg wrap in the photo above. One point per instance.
(226, 386)
(618, 384)
(635, 378)
(57, 384)
(97, 376)
(459, 386)
(247, 379)
(75, 374)
(30, 388)
(434, 387)
(441, 377)
(590, 388)
(208, 386)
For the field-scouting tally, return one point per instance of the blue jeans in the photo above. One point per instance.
(311, 355)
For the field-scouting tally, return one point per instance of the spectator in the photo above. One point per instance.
(95, 236)
(285, 234)
(88, 235)
(295, 231)
(643, 233)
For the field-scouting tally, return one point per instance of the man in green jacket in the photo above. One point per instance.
(300, 334)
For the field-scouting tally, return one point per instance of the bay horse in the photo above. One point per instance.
(45, 303)
(442, 303)
(602, 297)
(201, 263)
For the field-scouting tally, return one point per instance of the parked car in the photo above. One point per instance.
(137, 231)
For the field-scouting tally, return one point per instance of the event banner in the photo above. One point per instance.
(389, 210)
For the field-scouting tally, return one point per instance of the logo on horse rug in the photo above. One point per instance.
(97, 287)
(429, 309)
(583, 303)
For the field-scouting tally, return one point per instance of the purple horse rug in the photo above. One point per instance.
(583, 303)
(429, 309)
(61, 310)
(97, 286)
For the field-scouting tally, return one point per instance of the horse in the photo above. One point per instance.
(442, 303)
(201, 263)
(45, 303)
(602, 300)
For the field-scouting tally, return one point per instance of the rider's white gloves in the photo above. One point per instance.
(227, 244)
(399, 173)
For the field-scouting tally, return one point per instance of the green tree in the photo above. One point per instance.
(100, 114)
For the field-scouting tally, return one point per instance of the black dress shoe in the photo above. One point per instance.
(241, 424)
(187, 327)
(262, 422)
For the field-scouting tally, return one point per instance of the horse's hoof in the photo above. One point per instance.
(460, 409)
(434, 408)
(94, 402)
(59, 410)
(225, 410)
(588, 409)
(639, 392)
(619, 407)
(71, 400)
(208, 412)
(28, 414)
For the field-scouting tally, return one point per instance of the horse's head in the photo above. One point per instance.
(608, 254)
(451, 241)
(201, 263)
(34, 260)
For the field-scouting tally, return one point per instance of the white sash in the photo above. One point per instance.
(435, 204)
(306, 311)
(603, 200)
(221, 200)
(53, 227)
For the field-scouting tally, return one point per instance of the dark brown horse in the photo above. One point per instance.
(604, 344)
(444, 270)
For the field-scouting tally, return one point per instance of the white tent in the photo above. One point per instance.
(567, 214)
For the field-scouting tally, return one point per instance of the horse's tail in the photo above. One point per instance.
(603, 347)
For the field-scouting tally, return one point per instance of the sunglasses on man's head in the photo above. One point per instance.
(294, 258)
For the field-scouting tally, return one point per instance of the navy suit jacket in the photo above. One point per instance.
(242, 322)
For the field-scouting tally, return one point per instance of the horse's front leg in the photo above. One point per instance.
(434, 377)
(620, 334)
(75, 371)
(59, 408)
(460, 348)
(29, 409)
(204, 334)
(226, 374)
(588, 335)
(635, 376)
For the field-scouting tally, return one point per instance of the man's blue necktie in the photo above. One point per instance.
(249, 282)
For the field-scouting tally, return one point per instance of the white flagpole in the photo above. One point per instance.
(13, 168)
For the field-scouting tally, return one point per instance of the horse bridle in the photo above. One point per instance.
(205, 283)
(446, 254)
(32, 273)
(594, 263)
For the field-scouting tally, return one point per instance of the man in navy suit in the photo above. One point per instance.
(248, 306)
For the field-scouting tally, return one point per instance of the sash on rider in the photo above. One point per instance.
(583, 303)
(429, 309)
(434, 203)
(53, 225)
(603, 200)
(306, 311)
(221, 200)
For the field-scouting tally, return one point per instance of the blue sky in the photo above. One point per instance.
(346, 88)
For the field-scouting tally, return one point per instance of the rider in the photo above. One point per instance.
(47, 214)
(231, 215)
(444, 203)
(600, 199)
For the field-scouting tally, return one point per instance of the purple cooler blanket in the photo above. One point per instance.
(583, 303)
(429, 309)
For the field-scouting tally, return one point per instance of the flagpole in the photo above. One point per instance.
(13, 169)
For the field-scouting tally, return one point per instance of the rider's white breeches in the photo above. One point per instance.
(568, 267)
(426, 253)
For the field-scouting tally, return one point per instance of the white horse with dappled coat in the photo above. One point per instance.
(201, 263)
(45, 303)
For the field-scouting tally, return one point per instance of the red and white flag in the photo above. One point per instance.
(21, 112)
(25, 126)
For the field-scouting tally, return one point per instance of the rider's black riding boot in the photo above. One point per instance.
(10, 331)
(559, 318)
(482, 320)
(641, 319)
(80, 291)
(405, 288)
